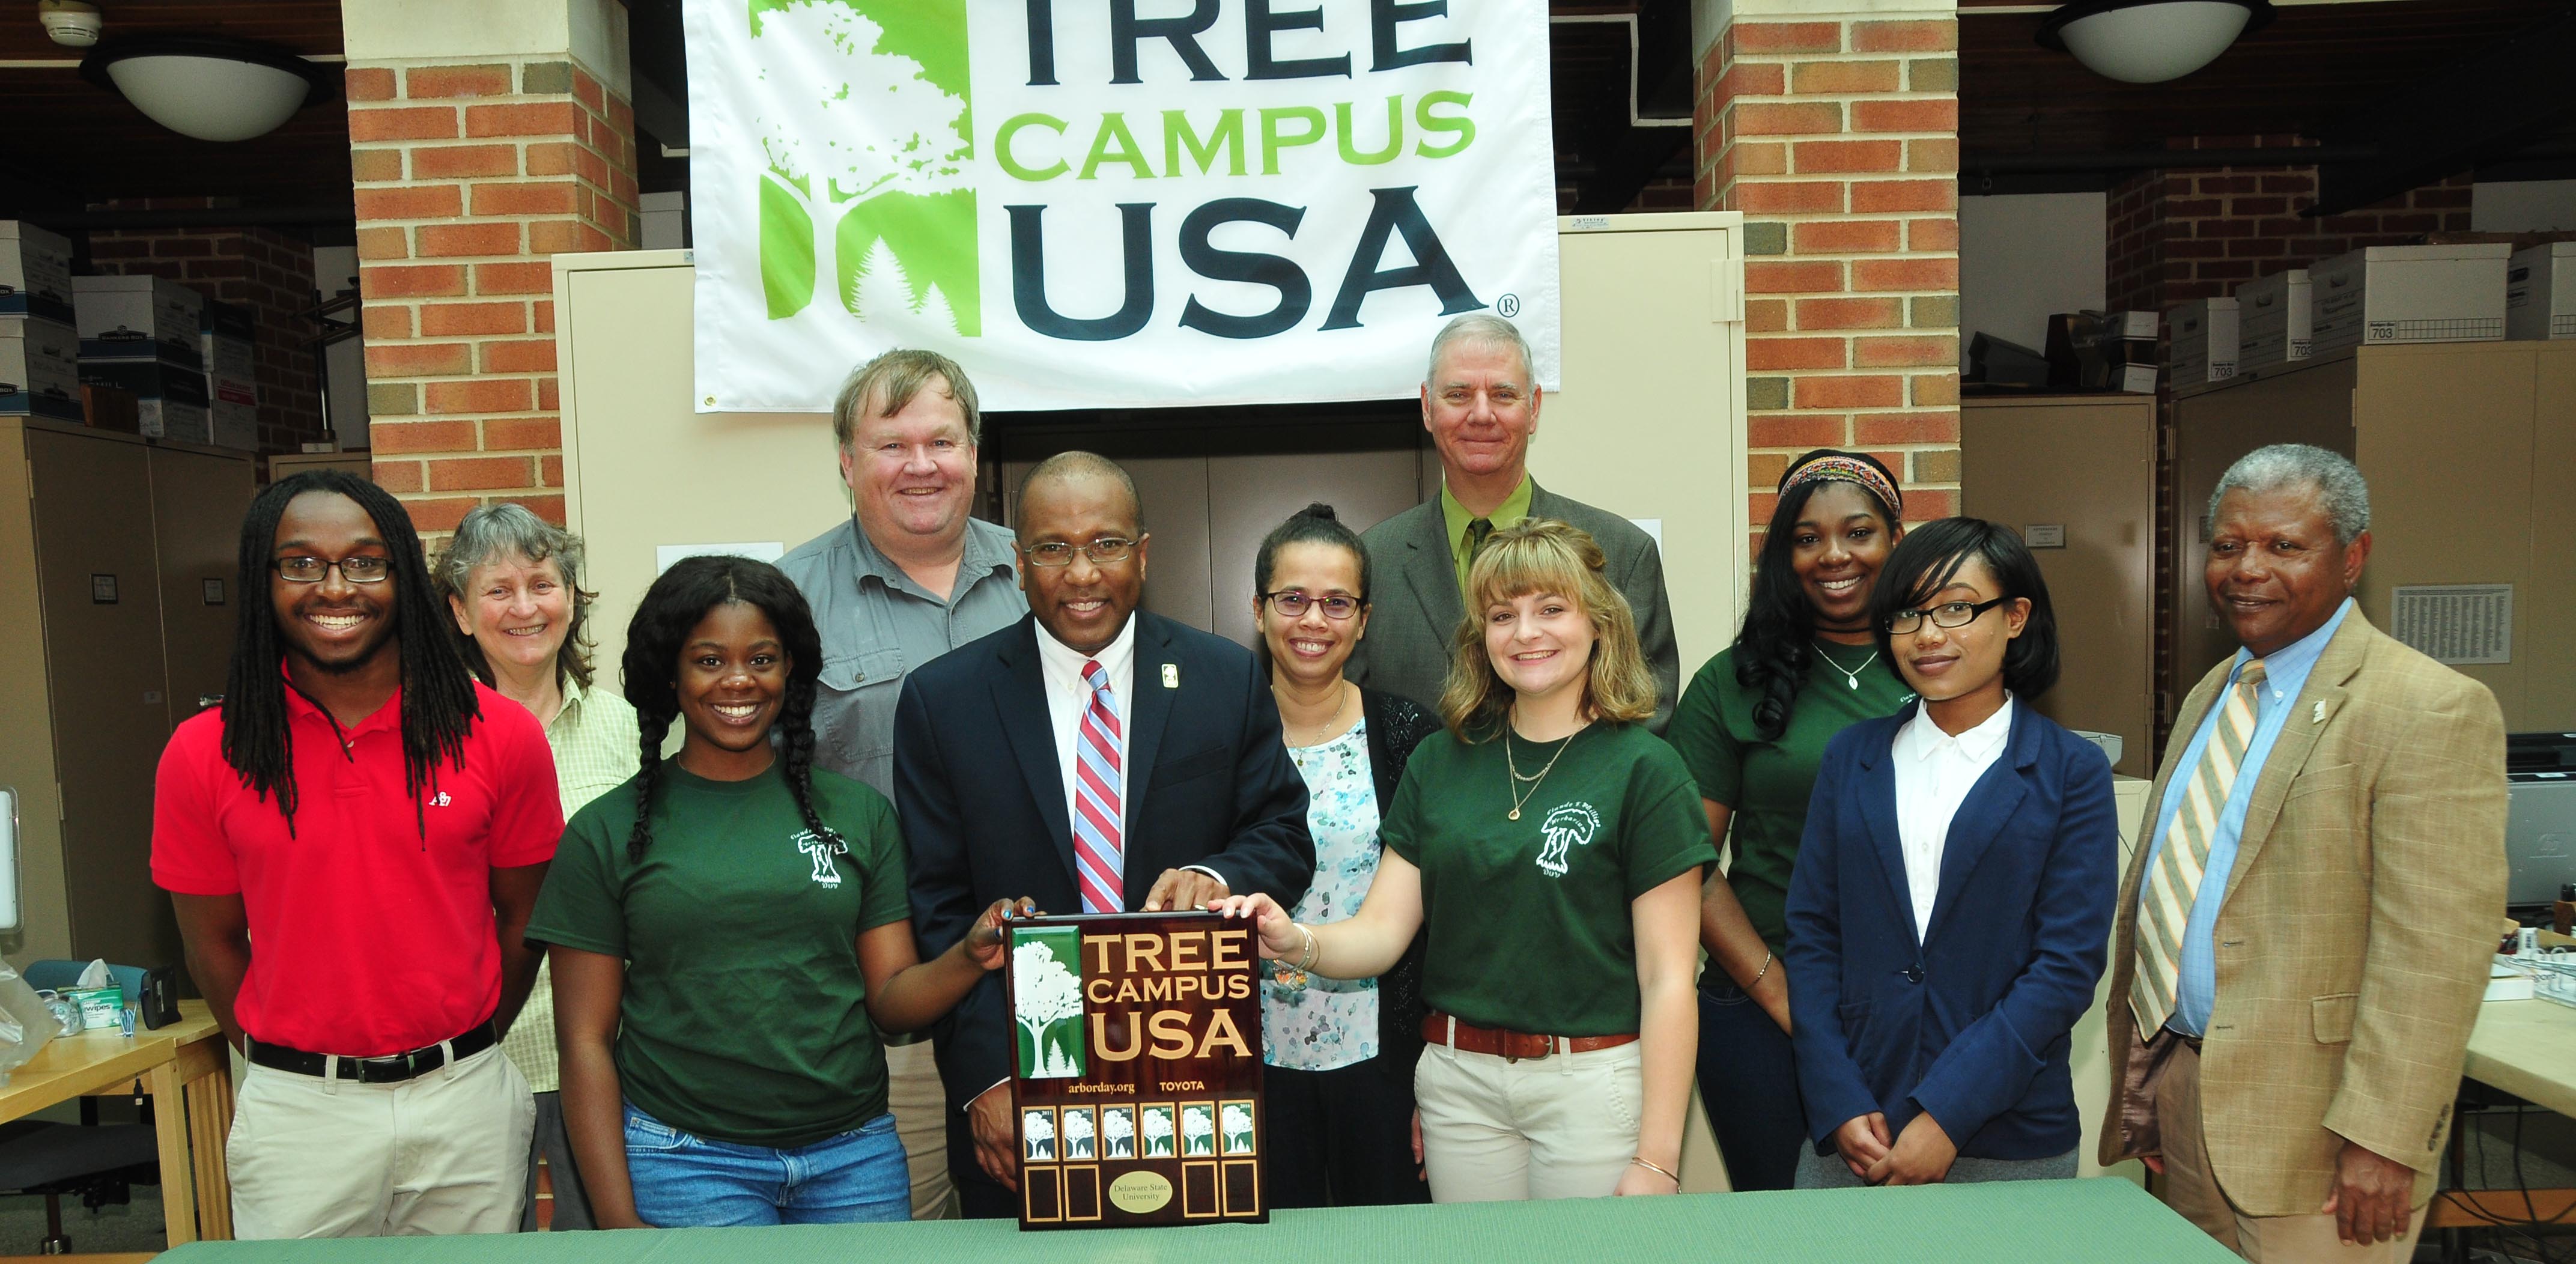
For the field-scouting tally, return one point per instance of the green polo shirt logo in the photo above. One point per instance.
(1571, 825)
(825, 875)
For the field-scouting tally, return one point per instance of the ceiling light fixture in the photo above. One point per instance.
(210, 87)
(2150, 41)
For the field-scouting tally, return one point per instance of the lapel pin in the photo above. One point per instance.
(2318, 714)
(1171, 675)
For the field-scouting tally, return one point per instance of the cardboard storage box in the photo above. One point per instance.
(2393, 294)
(170, 396)
(39, 355)
(2540, 292)
(136, 308)
(2204, 341)
(2272, 320)
(35, 272)
(233, 425)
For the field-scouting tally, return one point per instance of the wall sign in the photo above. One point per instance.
(1232, 201)
(1137, 1071)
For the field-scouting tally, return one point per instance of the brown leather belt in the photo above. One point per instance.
(1510, 1046)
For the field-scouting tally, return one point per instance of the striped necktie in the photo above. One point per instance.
(2165, 899)
(1097, 757)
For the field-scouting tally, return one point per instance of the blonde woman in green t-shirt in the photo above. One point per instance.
(1552, 847)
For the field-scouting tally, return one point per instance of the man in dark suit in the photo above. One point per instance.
(1093, 756)
(1480, 402)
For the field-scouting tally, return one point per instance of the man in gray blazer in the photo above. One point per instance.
(1480, 402)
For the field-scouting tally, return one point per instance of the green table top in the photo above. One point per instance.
(2102, 1220)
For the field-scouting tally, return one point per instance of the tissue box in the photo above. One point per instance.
(99, 1006)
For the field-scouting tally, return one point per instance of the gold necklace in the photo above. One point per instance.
(1513, 767)
(1297, 751)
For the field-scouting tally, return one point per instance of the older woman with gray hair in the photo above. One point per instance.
(513, 582)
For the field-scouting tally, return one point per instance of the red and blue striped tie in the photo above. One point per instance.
(1097, 859)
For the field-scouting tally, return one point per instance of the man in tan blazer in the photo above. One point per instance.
(2302, 945)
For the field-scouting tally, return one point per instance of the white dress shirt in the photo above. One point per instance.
(1934, 772)
(1068, 695)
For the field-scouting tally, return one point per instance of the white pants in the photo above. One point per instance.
(331, 1158)
(1562, 1126)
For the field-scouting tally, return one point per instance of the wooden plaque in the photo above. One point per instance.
(1136, 1072)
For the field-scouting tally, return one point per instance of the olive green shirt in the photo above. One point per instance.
(1455, 516)
(1766, 783)
(1529, 920)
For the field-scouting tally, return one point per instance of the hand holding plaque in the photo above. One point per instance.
(1279, 938)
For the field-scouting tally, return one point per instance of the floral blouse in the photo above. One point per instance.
(1328, 1023)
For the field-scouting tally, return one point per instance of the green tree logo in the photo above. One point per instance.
(868, 144)
(1046, 1003)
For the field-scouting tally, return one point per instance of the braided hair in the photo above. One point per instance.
(672, 608)
(1776, 645)
(438, 706)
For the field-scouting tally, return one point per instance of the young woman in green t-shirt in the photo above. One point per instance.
(1751, 728)
(1552, 847)
(724, 926)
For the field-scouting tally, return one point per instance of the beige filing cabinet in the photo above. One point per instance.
(2076, 475)
(2470, 450)
(118, 554)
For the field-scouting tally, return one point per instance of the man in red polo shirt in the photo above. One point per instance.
(353, 844)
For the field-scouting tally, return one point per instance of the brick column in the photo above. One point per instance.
(262, 269)
(473, 168)
(1837, 135)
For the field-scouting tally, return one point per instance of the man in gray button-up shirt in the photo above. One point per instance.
(911, 576)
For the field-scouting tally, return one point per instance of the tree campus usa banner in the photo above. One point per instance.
(1115, 203)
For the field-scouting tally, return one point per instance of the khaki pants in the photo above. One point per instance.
(331, 1158)
(920, 1119)
(1562, 1126)
(2191, 1189)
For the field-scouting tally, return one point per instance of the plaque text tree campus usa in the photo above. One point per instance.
(1137, 1077)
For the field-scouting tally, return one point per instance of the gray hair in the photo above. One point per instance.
(892, 379)
(2338, 483)
(1481, 329)
(503, 532)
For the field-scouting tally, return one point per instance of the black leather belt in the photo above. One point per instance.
(393, 1068)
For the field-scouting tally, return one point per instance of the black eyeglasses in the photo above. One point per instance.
(1102, 552)
(1949, 614)
(310, 570)
(1292, 604)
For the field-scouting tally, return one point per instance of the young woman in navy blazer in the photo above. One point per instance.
(1954, 891)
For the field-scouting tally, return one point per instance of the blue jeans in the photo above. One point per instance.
(686, 1181)
(1748, 1080)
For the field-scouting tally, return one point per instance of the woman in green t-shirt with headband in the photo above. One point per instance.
(1552, 847)
(723, 927)
(1751, 728)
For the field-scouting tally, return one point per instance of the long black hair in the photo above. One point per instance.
(1317, 523)
(1930, 556)
(1776, 645)
(671, 609)
(438, 706)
